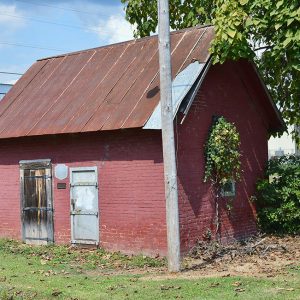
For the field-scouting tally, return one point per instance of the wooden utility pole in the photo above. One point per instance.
(168, 141)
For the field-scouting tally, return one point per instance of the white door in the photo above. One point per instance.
(84, 205)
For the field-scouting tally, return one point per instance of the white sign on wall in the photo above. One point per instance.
(61, 171)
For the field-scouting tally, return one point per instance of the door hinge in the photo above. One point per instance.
(37, 208)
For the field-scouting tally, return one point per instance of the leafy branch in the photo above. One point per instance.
(222, 153)
(241, 26)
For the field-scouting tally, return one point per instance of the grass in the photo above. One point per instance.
(61, 255)
(61, 273)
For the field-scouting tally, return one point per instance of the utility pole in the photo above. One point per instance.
(169, 155)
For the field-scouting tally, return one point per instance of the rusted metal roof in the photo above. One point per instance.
(106, 88)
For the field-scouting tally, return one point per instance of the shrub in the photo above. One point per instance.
(222, 161)
(222, 153)
(278, 196)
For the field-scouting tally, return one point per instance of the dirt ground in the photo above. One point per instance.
(267, 256)
(258, 257)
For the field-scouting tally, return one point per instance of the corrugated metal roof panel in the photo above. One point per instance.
(105, 88)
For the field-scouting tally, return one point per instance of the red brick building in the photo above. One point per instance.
(81, 151)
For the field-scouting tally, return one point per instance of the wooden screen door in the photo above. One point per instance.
(84, 205)
(36, 202)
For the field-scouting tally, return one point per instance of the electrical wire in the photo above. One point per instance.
(10, 73)
(32, 46)
(52, 23)
(61, 8)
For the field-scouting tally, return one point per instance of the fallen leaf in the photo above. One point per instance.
(168, 287)
(215, 284)
(285, 289)
(56, 293)
(239, 290)
(236, 283)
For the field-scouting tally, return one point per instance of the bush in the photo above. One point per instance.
(222, 153)
(279, 196)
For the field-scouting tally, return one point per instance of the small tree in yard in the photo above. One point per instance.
(222, 155)
(278, 196)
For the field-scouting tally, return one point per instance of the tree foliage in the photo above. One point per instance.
(222, 160)
(222, 153)
(267, 31)
(279, 197)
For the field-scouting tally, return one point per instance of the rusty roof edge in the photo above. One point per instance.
(125, 42)
(276, 110)
(22, 89)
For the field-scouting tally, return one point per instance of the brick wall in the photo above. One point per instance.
(131, 189)
(222, 94)
(130, 170)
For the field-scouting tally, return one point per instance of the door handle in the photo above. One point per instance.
(73, 202)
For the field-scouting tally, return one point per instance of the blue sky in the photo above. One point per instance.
(83, 24)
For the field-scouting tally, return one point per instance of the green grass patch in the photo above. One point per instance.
(61, 273)
(54, 255)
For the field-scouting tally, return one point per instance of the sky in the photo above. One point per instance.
(33, 29)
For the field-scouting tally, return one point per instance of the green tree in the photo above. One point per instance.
(278, 198)
(222, 153)
(265, 31)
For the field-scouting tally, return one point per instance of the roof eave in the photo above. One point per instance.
(282, 126)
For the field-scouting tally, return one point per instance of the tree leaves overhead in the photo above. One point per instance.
(267, 31)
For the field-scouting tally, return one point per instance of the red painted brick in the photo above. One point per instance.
(222, 94)
(131, 189)
(130, 170)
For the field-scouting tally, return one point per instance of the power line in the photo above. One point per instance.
(10, 73)
(62, 8)
(50, 22)
(32, 46)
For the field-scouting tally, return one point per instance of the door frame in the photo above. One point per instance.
(35, 165)
(95, 169)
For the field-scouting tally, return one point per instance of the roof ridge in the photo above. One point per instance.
(124, 42)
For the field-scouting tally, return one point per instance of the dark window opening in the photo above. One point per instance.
(228, 189)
